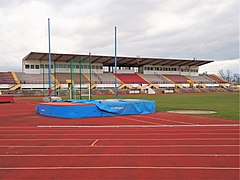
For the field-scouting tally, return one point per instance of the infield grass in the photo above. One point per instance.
(225, 104)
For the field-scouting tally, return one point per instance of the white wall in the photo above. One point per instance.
(125, 71)
(31, 71)
(211, 85)
(106, 85)
(67, 69)
(6, 86)
(183, 70)
(166, 85)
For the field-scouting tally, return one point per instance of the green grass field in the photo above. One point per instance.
(225, 104)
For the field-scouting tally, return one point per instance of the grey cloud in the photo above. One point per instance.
(153, 28)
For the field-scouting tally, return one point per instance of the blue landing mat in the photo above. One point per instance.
(95, 108)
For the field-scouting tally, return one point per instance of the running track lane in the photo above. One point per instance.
(190, 152)
(137, 157)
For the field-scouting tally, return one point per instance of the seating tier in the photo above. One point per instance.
(6, 78)
(131, 79)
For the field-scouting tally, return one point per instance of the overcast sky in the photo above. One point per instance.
(202, 29)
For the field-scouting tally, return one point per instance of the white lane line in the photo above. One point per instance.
(141, 126)
(130, 134)
(119, 139)
(124, 146)
(131, 119)
(35, 139)
(35, 129)
(94, 143)
(120, 155)
(161, 119)
(119, 167)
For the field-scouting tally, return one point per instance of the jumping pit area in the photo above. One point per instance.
(95, 108)
(146, 146)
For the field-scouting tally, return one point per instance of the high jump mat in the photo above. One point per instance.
(95, 108)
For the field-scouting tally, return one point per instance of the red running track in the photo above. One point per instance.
(157, 146)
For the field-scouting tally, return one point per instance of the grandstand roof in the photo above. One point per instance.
(121, 61)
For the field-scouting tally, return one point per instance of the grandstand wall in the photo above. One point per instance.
(174, 70)
(37, 67)
(133, 74)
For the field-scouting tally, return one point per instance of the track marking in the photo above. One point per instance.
(94, 143)
(33, 128)
(127, 146)
(156, 139)
(131, 119)
(120, 155)
(161, 119)
(119, 167)
(142, 126)
(147, 134)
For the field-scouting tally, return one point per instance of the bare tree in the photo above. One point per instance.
(236, 78)
(222, 74)
(226, 75)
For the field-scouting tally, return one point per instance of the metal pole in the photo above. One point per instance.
(115, 64)
(55, 77)
(72, 80)
(80, 77)
(43, 80)
(90, 74)
(49, 61)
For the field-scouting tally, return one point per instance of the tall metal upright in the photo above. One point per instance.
(72, 81)
(43, 79)
(49, 61)
(80, 78)
(90, 76)
(55, 77)
(115, 63)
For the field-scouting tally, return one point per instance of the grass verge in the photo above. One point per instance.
(225, 104)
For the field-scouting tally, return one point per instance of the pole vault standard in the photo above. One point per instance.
(90, 77)
(115, 63)
(49, 61)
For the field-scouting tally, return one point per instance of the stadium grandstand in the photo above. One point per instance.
(133, 74)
